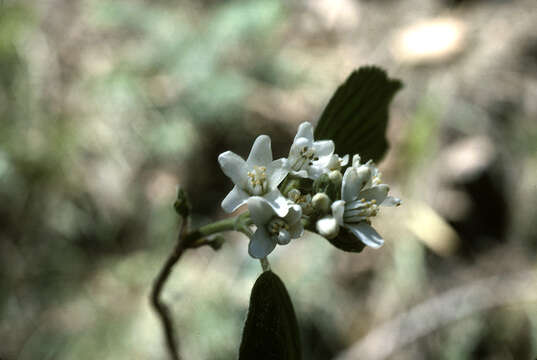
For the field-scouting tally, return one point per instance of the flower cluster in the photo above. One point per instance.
(306, 190)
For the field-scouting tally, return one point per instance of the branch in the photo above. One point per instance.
(187, 240)
(162, 309)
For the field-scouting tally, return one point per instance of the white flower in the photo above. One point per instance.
(308, 158)
(362, 194)
(303, 200)
(257, 176)
(335, 163)
(271, 228)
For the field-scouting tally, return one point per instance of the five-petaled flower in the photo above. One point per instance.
(362, 193)
(309, 158)
(271, 228)
(259, 175)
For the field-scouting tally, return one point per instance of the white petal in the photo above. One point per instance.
(350, 185)
(301, 173)
(261, 244)
(234, 199)
(373, 169)
(278, 203)
(276, 172)
(261, 153)
(323, 148)
(294, 214)
(284, 237)
(366, 234)
(331, 162)
(364, 176)
(338, 208)
(234, 167)
(305, 130)
(391, 201)
(377, 192)
(344, 160)
(315, 171)
(356, 160)
(260, 211)
(295, 161)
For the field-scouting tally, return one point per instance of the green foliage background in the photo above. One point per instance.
(107, 105)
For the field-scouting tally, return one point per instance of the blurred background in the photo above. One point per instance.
(106, 106)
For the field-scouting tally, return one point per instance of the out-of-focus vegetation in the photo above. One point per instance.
(105, 106)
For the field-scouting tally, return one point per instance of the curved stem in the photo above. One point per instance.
(185, 241)
(161, 308)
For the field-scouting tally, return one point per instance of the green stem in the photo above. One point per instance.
(231, 224)
(265, 265)
(283, 185)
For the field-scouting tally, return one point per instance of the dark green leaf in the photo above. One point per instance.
(356, 116)
(346, 241)
(271, 328)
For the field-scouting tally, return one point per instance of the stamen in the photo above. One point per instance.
(258, 180)
(360, 210)
(306, 154)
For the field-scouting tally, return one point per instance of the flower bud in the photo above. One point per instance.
(327, 227)
(335, 176)
(182, 204)
(321, 202)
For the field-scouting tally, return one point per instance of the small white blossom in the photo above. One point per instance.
(303, 200)
(271, 228)
(335, 162)
(362, 193)
(309, 158)
(259, 175)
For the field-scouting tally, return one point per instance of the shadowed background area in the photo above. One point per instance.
(107, 106)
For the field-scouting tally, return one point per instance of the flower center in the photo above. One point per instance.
(376, 180)
(303, 200)
(257, 180)
(278, 229)
(305, 157)
(360, 210)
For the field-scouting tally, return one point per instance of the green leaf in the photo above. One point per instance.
(356, 116)
(346, 241)
(271, 329)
